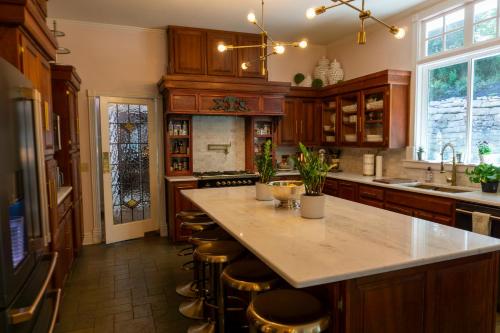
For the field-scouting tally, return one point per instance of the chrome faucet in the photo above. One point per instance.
(453, 178)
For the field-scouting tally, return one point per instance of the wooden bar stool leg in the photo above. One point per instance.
(220, 298)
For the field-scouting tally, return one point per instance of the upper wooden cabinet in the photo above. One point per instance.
(193, 51)
(250, 56)
(300, 122)
(187, 51)
(218, 63)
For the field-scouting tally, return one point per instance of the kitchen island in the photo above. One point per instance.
(378, 270)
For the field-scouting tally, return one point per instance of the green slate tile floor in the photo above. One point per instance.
(125, 288)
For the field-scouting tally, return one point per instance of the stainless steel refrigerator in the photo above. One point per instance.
(26, 267)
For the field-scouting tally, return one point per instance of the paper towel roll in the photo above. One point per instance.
(379, 167)
(368, 164)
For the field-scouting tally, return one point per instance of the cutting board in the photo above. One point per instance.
(394, 180)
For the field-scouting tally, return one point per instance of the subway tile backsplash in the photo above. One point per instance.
(218, 130)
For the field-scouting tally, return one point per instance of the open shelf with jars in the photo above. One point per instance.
(259, 130)
(329, 122)
(178, 146)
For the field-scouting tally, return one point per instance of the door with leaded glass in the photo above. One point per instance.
(128, 153)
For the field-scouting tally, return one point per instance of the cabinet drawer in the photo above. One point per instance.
(371, 193)
(399, 209)
(347, 190)
(422, 202)
(442, 219)
(331, 187)
(371, 202)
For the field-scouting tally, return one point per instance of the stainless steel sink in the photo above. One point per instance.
(437, 188)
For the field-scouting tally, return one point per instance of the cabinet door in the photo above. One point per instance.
(251, 55)
(288, 130)
(73, 117)
(399, 209)
(68, 242)
(331, 187)
(76, 182)
(77, 227)
(221, 63)
(51, 176)
(374, 117)
(180, 204)
(349, 119)
(308, 118)
(188, 51)
(347, 191)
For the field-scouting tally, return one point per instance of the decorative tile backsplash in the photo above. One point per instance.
(218, 130)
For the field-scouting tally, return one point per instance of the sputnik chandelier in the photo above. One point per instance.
(266, 42)
(364, 14)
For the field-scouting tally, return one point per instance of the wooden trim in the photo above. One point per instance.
(66, 73)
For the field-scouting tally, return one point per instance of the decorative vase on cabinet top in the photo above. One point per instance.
(335, 73)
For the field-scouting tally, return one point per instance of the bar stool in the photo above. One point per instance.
(195, 308)
(286, 311)
(250, 275)
(216, 255)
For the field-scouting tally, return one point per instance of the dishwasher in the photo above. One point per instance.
(463, 216)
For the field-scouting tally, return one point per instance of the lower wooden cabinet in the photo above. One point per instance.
(62, 241)
(176, 202)
(370, 195)
(331, 187)
(347, 190)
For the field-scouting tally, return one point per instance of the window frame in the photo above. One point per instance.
(469, 25)
(422, 100)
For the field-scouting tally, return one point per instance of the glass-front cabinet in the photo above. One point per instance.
(349, 121)
(178, 143)
(329, 122)
(373, 116)
(260, 130)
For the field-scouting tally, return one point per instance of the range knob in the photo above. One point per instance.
(240, 182)
(223, 183)
(217, 183)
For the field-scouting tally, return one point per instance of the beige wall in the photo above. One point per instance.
(382, 51)
(128, 62)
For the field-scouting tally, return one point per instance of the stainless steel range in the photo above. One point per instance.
(225, 178)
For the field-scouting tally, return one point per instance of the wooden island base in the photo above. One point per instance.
(456, 296)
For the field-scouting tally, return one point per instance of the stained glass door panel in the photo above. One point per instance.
(128, 149)
(129, 162)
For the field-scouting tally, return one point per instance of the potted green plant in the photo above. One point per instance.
(266, 170)
(420, 153)
(486, 174)
(313, 170)
(483, 149)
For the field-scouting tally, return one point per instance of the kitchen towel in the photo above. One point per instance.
(378, 167)
(481, 223)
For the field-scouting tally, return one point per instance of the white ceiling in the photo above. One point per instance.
(285, 19)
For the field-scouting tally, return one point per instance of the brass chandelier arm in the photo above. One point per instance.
(364, 12)
(233, 47)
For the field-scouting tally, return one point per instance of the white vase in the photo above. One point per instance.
(307, 81)
(321, 71)
(312, 206)
(335, 72)
(263, 192)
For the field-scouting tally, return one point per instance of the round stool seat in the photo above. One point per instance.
(290, 310)
(209, 235)
(218, 252)
(249, 275)
(193, 216)
(198, 226)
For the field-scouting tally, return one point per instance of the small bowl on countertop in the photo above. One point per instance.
(287, 192)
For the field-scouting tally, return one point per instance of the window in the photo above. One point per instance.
(470, 24)
(462, 106)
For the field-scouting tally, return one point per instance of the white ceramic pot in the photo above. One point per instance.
(263, 192)
(312, 207)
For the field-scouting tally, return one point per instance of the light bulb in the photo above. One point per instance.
(303, 44)
(251, 18)
(311, 13)
(221, 47)
(400, 34)
(244, 66)
(280, 49)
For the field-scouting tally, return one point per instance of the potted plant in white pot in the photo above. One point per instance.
(266, 171)
(313, 170)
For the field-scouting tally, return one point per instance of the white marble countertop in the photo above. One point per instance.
(476, 195)
(181, 178)
(62, 193)
(353, 240)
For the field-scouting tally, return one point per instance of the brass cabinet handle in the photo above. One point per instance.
(52, 194)
(56, 310)
(20, 315)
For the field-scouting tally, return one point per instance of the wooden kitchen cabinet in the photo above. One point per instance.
(62, 241)
(193, 51)
(221, 63)
(250, 55)
(187, 51)
(300, 123)
(331, 187)
(347, 190)
(176, 203)
(371, 195)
